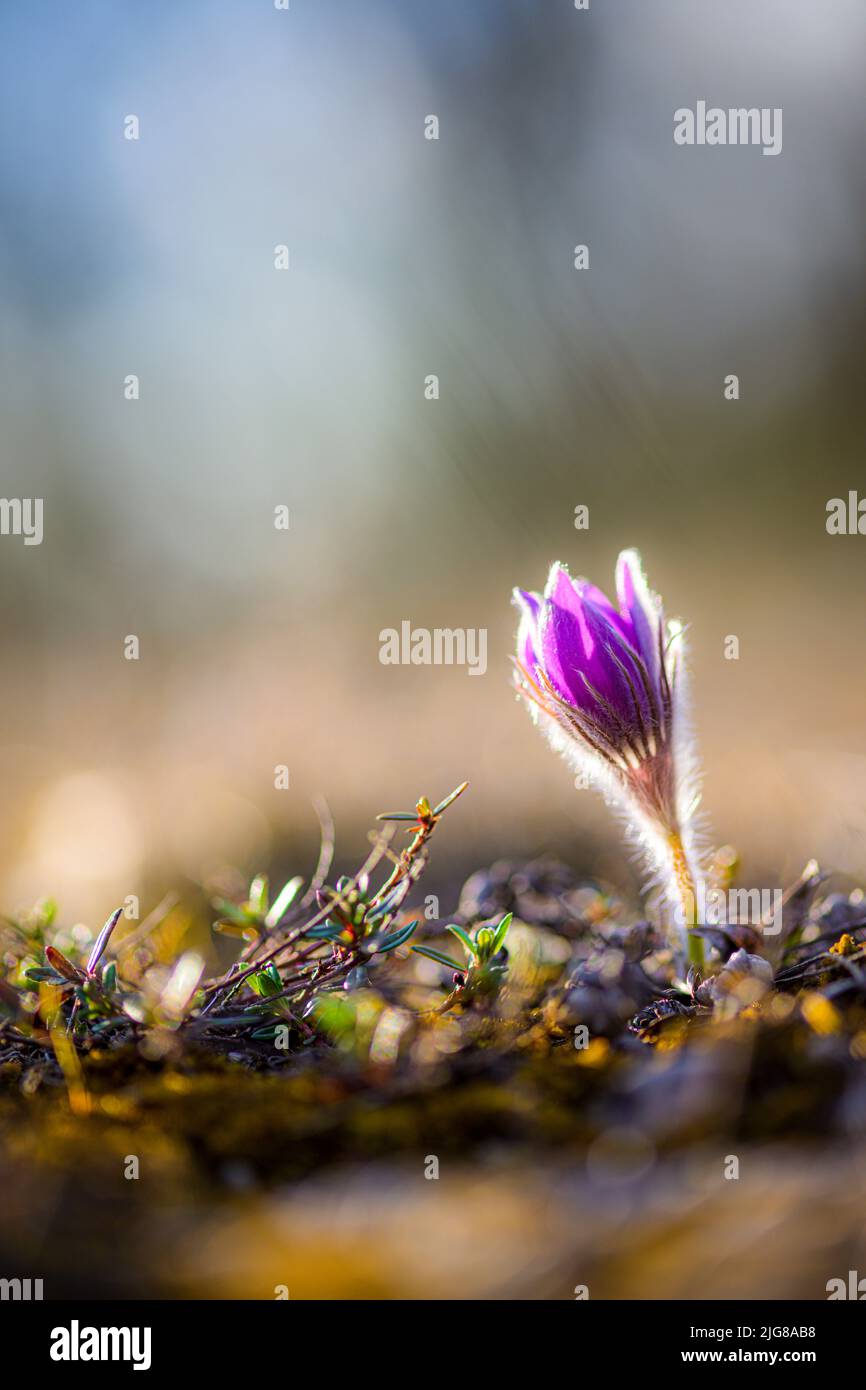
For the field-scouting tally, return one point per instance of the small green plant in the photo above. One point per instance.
(93, 991)
(257, 916)
(290, 963)
(297, 952)
(483, 973)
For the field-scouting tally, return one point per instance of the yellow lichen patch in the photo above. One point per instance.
(117, 1107)
(822, 1016)
(845, 946)
(595, 1054)
(751, 1011)
(672, 1032)
(177, 1083)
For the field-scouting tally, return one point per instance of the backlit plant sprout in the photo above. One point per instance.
(296, 950)
(606, 683)
(483, 972)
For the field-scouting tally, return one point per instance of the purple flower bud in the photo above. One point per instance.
(606, 682)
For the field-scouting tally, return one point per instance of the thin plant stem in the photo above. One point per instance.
(688, 898)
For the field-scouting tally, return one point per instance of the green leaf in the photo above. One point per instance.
(231, 911)
(258, 901)
(335, 1014)
(438, 957)
(465, 939)
(452, 796)
(264, 985)
(62, 965)
(102, 940)
(397, 815)
(325, 931)
(501, 933)
(283, 901)
(397, 938)
(247, 931)
(381, 909)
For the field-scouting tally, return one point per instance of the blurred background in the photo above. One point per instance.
(558, 388)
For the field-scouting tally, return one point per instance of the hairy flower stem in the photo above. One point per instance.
(686, 889)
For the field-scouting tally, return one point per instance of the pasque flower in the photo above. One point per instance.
(606, 682)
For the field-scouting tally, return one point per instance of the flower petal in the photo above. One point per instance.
(527, 634)
(642, 609)
(582, 646)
